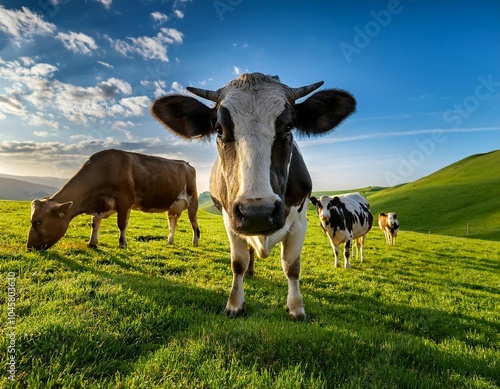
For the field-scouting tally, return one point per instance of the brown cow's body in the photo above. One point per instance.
(389, 224)
(117, 181)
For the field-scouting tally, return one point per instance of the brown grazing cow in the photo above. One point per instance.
(389, 223)
(116, 181)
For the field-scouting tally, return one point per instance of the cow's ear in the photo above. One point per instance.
(335, 201)
(323, 111)
(184, 115)
(314, 200)
(60, 209)
(395, 216)
(382, 214)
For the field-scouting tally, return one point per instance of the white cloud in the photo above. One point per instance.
(135, 106)
(179, 14)
(236, 70)
(105, 64)
(159, 87)
(149, 47)
(12, 105)
(106, 3)
(24, 24)
(177, 88)
(43, 70)
(77, 42)
(39, 119)
(159, 17)
(33, 89)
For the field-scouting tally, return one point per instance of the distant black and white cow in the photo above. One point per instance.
(344, 219)
(389, 223)
(259, 181)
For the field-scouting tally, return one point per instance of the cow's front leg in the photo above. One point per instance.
(240, 260)
(347, 254)
(291, 248)
(192, 210)
(335, 248)
(94, 231)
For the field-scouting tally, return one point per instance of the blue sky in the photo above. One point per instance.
(79, 76)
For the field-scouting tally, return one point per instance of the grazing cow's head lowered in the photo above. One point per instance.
(49, 223)
(253, 118)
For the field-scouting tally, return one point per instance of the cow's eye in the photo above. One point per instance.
(287, 132)
(219, 130)
(37, 223)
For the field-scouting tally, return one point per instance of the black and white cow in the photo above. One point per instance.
(344, 219)
(259, 181)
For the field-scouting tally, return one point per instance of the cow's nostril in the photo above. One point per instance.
(277, 211)
(258, 215)
(239, 214)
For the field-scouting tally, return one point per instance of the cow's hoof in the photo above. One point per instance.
(92, 245)
(232, 313)
(297, 316)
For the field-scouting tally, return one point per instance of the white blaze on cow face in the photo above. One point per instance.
(391, 219)
(323, 208)
(255, 146)
(254, 118)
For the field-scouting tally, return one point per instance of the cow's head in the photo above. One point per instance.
(48, 223)
(253, 117)
(324, 206)
(392, 220)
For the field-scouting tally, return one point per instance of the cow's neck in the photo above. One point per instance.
(72, 192)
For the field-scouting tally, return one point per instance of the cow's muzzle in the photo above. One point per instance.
(258, 216)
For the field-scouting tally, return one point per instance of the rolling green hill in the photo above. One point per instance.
(445, 202)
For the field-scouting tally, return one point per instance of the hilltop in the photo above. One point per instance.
(445, 202)
(14, 189)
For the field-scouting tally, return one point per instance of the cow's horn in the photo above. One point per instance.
(305, 90)
(204, 93)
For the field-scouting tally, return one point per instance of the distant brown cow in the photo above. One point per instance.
(389, 223)
(116, 181)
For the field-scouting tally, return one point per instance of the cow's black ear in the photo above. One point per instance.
(382, 214)
(395, 216)
(335, 201)
(184, 115)
(314, 200)
(323, 111)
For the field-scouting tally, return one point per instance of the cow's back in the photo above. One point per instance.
(149, 183)
(160, 182)
(360, 218)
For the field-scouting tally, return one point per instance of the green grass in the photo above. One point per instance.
(423, 314)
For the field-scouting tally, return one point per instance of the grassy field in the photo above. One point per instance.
(445, 202)
(423, 314)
